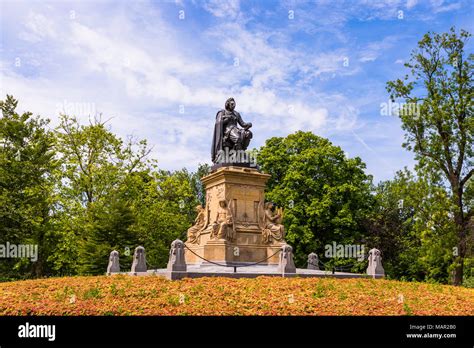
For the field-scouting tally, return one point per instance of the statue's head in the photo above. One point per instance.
(268, 205)
(230, 104)
(198, 208)
(223, 203)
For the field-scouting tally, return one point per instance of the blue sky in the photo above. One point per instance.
(162, 69)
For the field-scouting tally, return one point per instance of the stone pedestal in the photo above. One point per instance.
(243, 191)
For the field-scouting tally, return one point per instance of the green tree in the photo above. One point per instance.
(80, 192)
(326, 196)
(199, 189)
(26, 187)
(115, 198)
(97, 182)
(410, 223)
(164, 210)
(437, 119)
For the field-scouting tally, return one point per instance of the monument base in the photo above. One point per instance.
(252, 272)
(216, 166)
(242, 191)
(231, 254)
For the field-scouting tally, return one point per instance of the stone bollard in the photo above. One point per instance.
(375, 264)
(176, 262)
(313, 261)
(139, 260)
(114, 265)
(286, 264)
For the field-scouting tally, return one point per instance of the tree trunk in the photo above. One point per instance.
(461, 227)
(459, 269)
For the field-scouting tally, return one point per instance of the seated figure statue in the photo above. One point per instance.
(227, 134)
(223, 226)
(273, 230)
(194, 231)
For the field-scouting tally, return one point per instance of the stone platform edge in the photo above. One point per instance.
(303, 273)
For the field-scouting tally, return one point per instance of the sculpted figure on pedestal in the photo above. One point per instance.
(273, 230)
(223, 226)
(227, 134)
(200, 223)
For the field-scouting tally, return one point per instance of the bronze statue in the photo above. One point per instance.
(226, 132)
(223, 227)
(273, 229)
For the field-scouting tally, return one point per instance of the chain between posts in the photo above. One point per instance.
(333, 268)
(235, 266)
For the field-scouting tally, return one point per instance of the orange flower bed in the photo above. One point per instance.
(126, 295)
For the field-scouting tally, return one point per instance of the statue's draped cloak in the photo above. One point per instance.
(218, 135)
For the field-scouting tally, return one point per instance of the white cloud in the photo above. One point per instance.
(439, 6)
(37, 28)
(375, 49)
(139, 66)
(411, 3)
(223, 8)
(126, 75)
(447, 8)
(368, 57)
